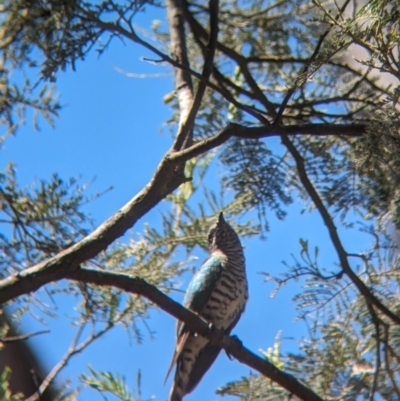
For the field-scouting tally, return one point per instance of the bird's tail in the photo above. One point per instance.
(176, 393)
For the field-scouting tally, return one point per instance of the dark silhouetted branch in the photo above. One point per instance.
(348, 130)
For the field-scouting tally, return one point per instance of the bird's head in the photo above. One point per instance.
(222, 236)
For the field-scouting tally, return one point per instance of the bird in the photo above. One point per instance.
(218, 292)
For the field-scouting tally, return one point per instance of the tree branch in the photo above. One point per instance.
(166, 179)
(304, 73)
(131, 35)
(350, 130)
(370, 298)
(75, 348)
(22, 337)
(187, 125)
(233, 346)
(57, 368)
(284, 131)
(168, 176)
(199, 31)
(183, 80)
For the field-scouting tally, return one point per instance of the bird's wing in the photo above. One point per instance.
(202, 363)
(178, 349)
(203, 282)
(197, 295)
(206, 358)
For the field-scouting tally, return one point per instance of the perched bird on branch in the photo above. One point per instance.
(218, 293)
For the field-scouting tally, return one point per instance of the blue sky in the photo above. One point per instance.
(111, 128)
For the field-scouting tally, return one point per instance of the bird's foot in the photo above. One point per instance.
(231, 358)
(238, 341)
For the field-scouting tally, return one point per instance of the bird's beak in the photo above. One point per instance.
(221, 218)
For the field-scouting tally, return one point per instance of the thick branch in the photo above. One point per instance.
(183, 80)
(231, 345)
(187, 124)
(350, 130)
(166, 179)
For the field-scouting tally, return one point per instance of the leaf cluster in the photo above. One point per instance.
(38, 221)
(39, 39)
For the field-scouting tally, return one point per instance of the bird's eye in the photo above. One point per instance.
(211, 235)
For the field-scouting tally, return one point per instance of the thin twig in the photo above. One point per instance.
(376, 322)
(304, 73)
(387, 362)
(22, 337)
(56, 369)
